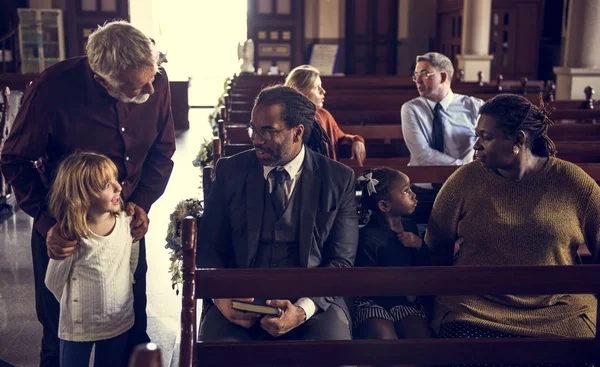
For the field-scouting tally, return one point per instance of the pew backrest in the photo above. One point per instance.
(283, 284)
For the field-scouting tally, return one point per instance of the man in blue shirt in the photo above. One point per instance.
(439, 125)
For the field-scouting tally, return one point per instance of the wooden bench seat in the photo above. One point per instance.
(434, 174)
(284, 284)
(388, 141)
(237, 134)
(392, 116)
(364, 101)
(256, 82)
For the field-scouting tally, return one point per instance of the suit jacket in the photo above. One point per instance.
(230, 228)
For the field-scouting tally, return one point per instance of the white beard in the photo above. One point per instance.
(123, 98)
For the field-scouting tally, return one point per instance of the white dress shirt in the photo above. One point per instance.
(459, 117)
(94, 285)
(294, 169)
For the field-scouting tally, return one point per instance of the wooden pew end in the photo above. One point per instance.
(589, 97)
(146, 355)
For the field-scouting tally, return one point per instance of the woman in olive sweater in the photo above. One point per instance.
(516, 205)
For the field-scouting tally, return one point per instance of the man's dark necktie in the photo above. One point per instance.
(278, 198)
(438, 129)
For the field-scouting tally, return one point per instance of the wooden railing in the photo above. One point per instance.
(285, 284)
(146, 355)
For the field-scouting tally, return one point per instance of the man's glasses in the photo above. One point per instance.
(424, 75)
(263, 134)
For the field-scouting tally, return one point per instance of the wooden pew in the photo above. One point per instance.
(237, 134)
(392, 116)
(417, 174)
(578, 152)
(365, 100)
(434, 174)
(370, 107)
(382, 83)
(146, 355)
(284, 284)
(574, 142)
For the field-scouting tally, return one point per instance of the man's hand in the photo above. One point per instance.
(410, 239)
(292, 317)
(359, 152)
(58, 248)
(139, 224)
(243, 319)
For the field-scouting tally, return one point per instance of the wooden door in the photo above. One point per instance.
(82, 17)
(277, 29)
(371, 37)
(515, 30)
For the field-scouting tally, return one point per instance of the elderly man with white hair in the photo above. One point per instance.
(115, 101)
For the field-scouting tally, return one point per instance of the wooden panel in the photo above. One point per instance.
(403, 351)
(418, 281)
(80, 23)
(371, 26)
(360, 18)
(527, 39)
(449, 34)
(383, 27)
(446, 6)
(277, 29)
(514, 35)
(284, 7)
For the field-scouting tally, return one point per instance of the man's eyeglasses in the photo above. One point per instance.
(424, 75)
(263, 134)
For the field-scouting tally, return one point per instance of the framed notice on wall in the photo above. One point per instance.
(324, 57)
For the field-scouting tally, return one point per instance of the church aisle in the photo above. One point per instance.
(20, 332)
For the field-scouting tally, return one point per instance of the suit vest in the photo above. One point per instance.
(278, 246)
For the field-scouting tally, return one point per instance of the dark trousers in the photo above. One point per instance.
(109, 352)
(48, 308)
(332, 324)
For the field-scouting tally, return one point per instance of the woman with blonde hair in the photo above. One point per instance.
(306, 79)
(94, 285)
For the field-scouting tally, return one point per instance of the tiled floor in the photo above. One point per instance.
(20, 332)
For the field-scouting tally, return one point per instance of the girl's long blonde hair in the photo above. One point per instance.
(80, 177)
(302, 78)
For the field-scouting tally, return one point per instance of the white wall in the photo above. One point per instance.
(200, 39)
(142, 15)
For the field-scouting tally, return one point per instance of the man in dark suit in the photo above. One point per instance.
(279, 205)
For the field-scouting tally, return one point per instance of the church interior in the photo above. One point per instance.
(219, 55)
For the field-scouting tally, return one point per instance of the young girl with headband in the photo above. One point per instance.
(389, 239)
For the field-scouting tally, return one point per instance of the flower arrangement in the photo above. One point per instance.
(190, 207)
(205, 155)
(187, 207)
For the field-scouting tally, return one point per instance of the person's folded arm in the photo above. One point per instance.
(442, 229)
(417, 144)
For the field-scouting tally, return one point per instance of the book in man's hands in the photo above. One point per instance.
(257, 306)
